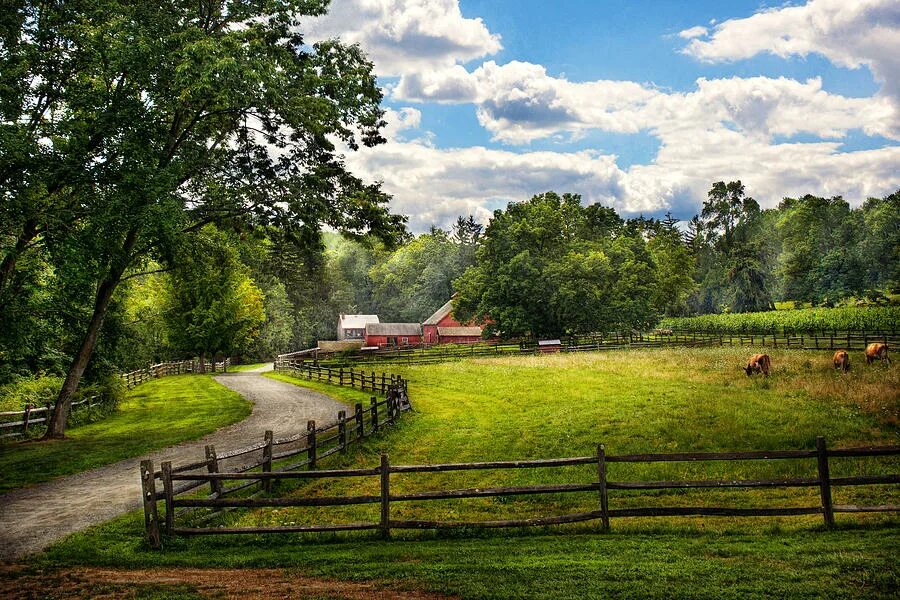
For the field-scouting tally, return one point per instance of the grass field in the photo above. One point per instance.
(154, 415)
(562, 405)
(242, 368)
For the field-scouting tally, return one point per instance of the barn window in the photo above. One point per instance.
(405, 341)
(392, 341)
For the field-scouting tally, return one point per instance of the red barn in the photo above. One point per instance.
(393, 335)
(442, 328)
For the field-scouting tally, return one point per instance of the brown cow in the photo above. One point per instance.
(877, 351)
(758, 363)
(841, 361)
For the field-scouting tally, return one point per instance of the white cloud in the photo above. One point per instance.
(693, 32)
(849, 33)
(434, 186)
(407, 36)
(519, 102)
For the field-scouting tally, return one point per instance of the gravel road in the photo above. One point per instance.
(33, 518)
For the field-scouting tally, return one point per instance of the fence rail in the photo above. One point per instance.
(135, 378)
(601, 486)
(30, 416)
(813, 340)
(273, 458)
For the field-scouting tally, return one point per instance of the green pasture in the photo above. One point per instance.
(156, 414)
(660, 400)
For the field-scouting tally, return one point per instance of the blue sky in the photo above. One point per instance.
(637, 105)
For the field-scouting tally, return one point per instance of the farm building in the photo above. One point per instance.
(387, 335)
(353, 327)
(442, 328)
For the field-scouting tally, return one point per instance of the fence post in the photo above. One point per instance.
(824, 482)
(26, 416)
(391, 410)
(311, 441)
(383, 385)
(212, 466)
(268, 438)
(385, 496)
(342, 430)
(341, 383)
(170, 496)
(360, 432)
(374, 404)
(151, 518)
(601, 472)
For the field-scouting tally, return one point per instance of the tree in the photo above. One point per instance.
(737, 269)
(141, 122)
(820, 260)
(674, 272)
(211, 305)
(880, 249)
(549, 267)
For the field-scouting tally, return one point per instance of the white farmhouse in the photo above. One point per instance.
(353, 327)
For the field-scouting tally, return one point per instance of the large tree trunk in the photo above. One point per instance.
(57, 426)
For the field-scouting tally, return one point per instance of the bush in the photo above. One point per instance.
(29, 390)
(851, 318)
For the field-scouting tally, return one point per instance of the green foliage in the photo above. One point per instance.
(37, 391)
(549, 267)
(417, 278)
(210, 303)
(154, 415)
(874, 318)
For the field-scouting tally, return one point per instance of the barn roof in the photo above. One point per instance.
(440, 313)
(356, 321)
(393, 329)
(459, 331)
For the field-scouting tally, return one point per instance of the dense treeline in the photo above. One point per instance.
(548, 266)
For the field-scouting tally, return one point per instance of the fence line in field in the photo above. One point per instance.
(139, 376)
(34, 415)
(816, 340)
(601, 486)
(29, 416)
(255, 465)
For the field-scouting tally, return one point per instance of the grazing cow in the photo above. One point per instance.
(758, 363)
(841, 361)
(877, 351)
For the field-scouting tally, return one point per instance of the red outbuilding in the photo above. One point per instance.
(393, 335)
(442, 328)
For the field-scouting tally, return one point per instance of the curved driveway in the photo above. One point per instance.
(33, 518)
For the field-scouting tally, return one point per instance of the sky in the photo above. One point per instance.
(638, 105)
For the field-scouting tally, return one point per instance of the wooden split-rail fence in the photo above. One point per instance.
(175, 480)
(35, 415)
(810, 340)
(255, 465)
(139, 376)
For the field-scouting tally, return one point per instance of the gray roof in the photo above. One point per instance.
(440, 313)
(549, 343)
(393, 329)
(356, 321)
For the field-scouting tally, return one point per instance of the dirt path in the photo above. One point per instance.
(15, 584)
(33, 518)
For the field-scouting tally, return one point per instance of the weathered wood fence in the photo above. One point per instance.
(256, 464)
(175, 480)
(368, 382)
(134, 378)
(812, 340)
(35, 415)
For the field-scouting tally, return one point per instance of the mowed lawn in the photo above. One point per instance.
(563, 405)
(156, 414)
